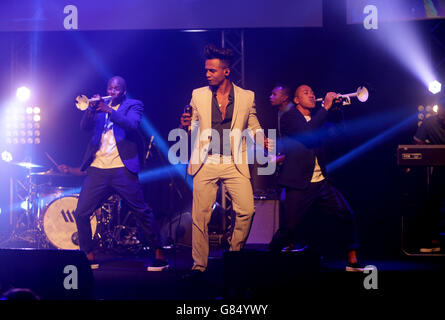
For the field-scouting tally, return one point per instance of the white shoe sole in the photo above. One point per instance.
(94, 266)
(157, 268)
(429, 250)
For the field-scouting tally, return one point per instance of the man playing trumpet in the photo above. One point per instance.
(113, 158)
(304, 176)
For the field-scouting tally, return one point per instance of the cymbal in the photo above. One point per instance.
(50, 173)
(28, 165)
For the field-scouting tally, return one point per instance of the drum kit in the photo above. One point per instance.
(48, 220)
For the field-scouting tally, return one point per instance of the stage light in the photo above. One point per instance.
(21, 123)
(434, 86)
(24, 204)
(194, 30)
(6, 156)
(435, 108)
(425, 113)
(23, 94)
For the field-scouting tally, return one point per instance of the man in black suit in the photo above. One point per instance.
(113, 158)
(304, 176)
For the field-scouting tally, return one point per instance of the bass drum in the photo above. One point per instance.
(59, 223)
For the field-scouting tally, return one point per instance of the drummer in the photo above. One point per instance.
(65, 169)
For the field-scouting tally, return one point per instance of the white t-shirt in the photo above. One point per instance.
(317, 176)
(107, 157)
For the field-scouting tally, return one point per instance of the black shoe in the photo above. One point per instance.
(94, 264)
(294, 248)
(194, 275)
(158, 265)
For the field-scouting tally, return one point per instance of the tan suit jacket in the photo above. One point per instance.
(244, 117)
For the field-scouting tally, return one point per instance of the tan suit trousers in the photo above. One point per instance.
(205, 187)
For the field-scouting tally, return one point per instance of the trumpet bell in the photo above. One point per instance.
(82, 102)
(362, 94)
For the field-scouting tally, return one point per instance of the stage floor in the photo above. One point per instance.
(257, 275)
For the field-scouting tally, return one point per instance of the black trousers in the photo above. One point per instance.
(97, 187)
(318, 197)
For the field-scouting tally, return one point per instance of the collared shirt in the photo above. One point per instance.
(220, 125)
(107, 156)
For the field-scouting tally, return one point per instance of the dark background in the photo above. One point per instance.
(163, 67)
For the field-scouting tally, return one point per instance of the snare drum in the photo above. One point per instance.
(59, 223)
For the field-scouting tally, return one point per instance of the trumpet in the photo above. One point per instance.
(82, 101)
(361, 94)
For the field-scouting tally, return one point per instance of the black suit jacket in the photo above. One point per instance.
(129, 139)
(302, 141)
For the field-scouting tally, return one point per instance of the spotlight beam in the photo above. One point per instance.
(404, 42)
(370, 144)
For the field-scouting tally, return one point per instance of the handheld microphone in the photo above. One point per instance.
(188, 109)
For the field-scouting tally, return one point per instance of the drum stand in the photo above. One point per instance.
(114, 233)
(27, 227)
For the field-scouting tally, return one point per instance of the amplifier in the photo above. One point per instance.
(265, 221)
(421, 155)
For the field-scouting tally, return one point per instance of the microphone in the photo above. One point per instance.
(188, 109)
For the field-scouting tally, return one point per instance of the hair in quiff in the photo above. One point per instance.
(223, 54)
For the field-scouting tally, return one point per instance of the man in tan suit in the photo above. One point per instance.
(223, 117)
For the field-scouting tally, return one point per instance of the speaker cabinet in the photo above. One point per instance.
(265, 221)
(51, 274)
(178, 230)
